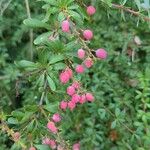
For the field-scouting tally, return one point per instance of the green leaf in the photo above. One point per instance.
(12, 120)
(76, 16)
(61, 17)
(56, 58)
(113, 124)
(42, 147)
(59, 66)
(56, 46)
(42, 38)
(27, 116)
(40, 80)
(102, 113)
(27, 65)
(51, 83)
(31, 126)
(73, 7)
(35, 23)
(51, 2)
(52, 107)
(117, 112)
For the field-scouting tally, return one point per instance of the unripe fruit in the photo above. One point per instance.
(56, 117)
(51, 126)
(101, 53)
(88, 62)
(63, 105)
(90, 10)
(71, 90)
(32, 148)
(81, 53)
(88, 34)
(79, 69)
(89, 97)
(65, 26)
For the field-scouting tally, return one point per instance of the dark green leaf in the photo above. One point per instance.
(51, 83)
(35, 23)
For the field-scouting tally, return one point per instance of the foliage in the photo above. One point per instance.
(30, 89)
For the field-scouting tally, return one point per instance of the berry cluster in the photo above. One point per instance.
(74, 90)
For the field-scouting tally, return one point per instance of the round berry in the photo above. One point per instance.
(88, 62)
(101, 53)
(51, 126)
(56, 117)
(76, 84)
(71, 105)
(88, 34)
(32, 148)
(65, 26)
(79, 69)
(81, 53)
(71, 90)
(63, 105)
(90, 10)
(89, 97)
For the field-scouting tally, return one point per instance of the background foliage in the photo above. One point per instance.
(119, 119)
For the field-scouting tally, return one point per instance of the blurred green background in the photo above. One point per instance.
(119, 119)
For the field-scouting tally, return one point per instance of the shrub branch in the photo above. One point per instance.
(133, 12)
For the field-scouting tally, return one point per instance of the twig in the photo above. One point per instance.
(5, 6)
(4, 127)
(133, 12)
(130, 130)
(31, 30)
(43, 93)
(4, 77)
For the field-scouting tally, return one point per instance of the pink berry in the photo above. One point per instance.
(69, 71)
(32, 148)
(46, 141)
(79, 69)
(90, 10)
(65, 26)
(101, 53)
(89, 97)
(76, 84)
(75, 98)
(82, 99)
(88, 62)
(63, 105)
(16, 136)
(56, 117)
(52, 144)
(71, 105)
(70, 90)
(76, 146)
(59, 147)
(64, 77)
(88, 34)
(81, 53)
(51, 126)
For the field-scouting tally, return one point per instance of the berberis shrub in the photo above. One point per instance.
(75, 75)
